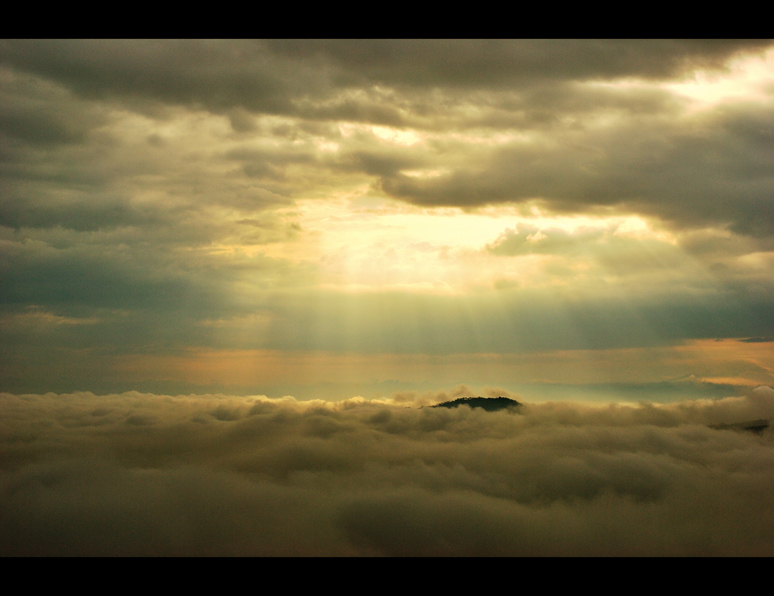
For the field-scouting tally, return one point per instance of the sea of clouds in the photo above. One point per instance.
(145, 474)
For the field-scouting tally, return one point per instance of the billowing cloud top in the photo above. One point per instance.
(144, 474)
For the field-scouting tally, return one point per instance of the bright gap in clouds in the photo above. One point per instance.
(746, 79)
(367, 244)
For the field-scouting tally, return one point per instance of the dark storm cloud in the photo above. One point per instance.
(52, 276)
(708, 172)
(495, 63)
(76, 211)
(146, 474)
(241, 120)
(38, 113)
(104, 274)
(715, 172)
(94, 187)
(218, 75)
(272, 76)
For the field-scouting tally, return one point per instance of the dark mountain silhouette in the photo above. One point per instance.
(490, 404)
(756, 426)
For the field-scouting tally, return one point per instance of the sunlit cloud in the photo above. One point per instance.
(744, 79)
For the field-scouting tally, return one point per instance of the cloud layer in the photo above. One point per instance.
(144, 474)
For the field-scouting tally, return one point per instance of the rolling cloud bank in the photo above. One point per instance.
(144, 474)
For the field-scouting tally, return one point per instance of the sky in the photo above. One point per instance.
(312, 241)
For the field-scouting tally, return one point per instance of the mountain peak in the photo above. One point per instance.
(490, 404)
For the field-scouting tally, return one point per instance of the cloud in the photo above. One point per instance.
(146, 474)
(531, 239)
(690, 172)
(273, 75)
(482, 63)
(220, 197)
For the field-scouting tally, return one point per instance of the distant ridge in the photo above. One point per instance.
(490, 404)
(756, 426)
